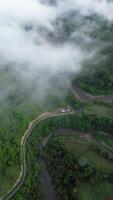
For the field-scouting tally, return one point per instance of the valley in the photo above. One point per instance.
(56, 100)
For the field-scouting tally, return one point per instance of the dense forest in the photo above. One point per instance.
(32, 188)
(23, 98)
(17, 109)
(66, 172)
(97, 76)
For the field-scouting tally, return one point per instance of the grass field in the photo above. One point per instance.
(74, 141)
(98, 110)
(77, 148)
(107, 139)
(101, 191)
(80, 143)
(110, 142)
(99, 161)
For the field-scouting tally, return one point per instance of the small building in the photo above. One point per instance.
(65, 110)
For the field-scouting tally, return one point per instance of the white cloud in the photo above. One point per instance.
(35, 48)
(103, 8)
(19, 46)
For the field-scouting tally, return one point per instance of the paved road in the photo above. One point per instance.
(45, 178)
(24, 140)
(80, 95)
(46, 182)
(86, 97)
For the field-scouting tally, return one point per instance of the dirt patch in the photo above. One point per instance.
(110, 198)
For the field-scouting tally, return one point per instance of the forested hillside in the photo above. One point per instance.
(97, 76)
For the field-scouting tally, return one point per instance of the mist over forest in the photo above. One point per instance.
(44, 43)
(56, 99)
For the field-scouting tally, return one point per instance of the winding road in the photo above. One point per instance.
(83, 96)
(24, 140)
(80, 95)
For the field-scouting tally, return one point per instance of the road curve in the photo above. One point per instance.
(80, 95)
(86, 97)
(24, 140)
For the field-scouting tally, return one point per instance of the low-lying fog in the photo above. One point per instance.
(41, 41)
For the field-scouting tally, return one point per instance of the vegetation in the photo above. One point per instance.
(29, 188)
(101, 191)
(106, 138)
(71, 177)
(17, 110)
(82, 162)
(32, 188)
(15, 118)
(97, 75)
